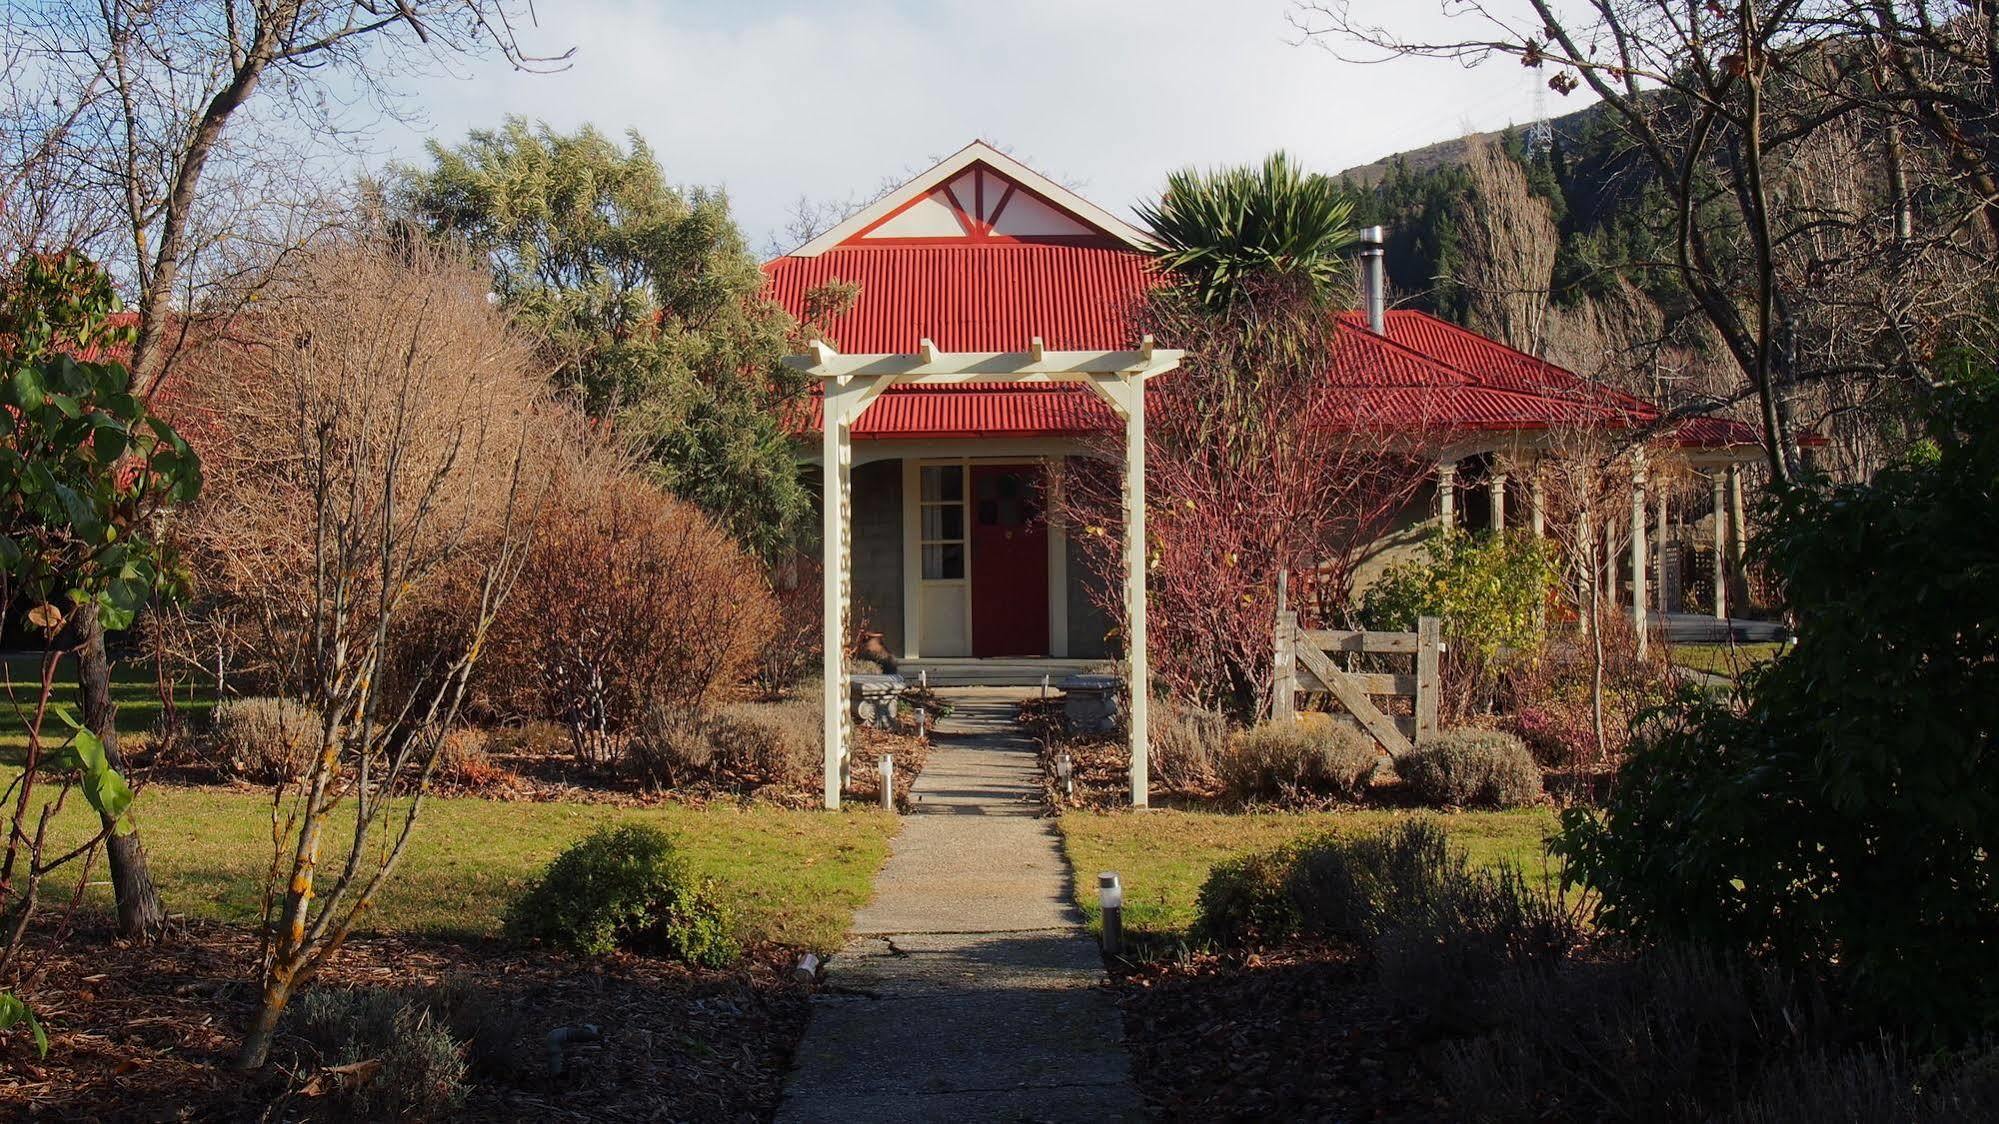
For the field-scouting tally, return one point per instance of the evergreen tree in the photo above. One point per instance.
(650, 303)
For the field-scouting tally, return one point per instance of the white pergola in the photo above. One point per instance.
(852, 383)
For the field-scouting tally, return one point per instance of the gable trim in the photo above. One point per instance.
(1116, 230)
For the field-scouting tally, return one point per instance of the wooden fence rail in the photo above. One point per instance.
(1303, 663)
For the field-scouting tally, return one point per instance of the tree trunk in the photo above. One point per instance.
(264, 1029)
(140, 913)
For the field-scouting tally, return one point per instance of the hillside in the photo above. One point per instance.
(1568, 128)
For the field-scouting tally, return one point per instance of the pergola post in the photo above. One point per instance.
(1135, 556)
(1447, 495)
(1496, 493)
(836, 487)
(1537, 501)
(1638, 548)
(1720, 482)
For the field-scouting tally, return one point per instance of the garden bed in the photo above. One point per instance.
(1292, 1034)
(149, 1032)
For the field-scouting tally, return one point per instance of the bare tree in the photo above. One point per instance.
(149, 102)
(377, 466)
(1731, 109)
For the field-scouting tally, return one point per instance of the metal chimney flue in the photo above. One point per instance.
(1374, 279)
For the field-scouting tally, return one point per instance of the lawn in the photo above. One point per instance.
(1163, 856)
(1725, 660)
(795, 877)
(131, 685)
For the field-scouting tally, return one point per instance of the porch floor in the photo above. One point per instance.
(1008, 671)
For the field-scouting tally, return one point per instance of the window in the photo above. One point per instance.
(941, 501)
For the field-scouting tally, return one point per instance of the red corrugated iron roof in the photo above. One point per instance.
(971, 298)
(1422, 373)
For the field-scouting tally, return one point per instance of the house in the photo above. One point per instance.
(990, 341)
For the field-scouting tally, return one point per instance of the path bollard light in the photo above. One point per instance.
(1110, 895)
(922, 724)
(807, 968)
(888, 781)
(1044, 688)
(1065, 772)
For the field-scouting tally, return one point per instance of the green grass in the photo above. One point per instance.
(1163, 856)
(794, 877)
(1725, 660)
(131, 685)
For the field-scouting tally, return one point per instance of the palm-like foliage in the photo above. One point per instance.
(1225, 230)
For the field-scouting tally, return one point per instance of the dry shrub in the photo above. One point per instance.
(267, 740)
(533, 738)
(1314, 756)
(796, 730)
(464, 759)
(740, 744)
(1550, 696)
(370, 364)
(1472, 768)
(629, 597)
(1185, 744)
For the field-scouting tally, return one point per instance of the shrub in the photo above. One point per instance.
(1310, 756)
(1342, 887)
(534, 738)
(462, 758)
(422, 1075)
(1186, 742)
(269, 740)
(629, 597)
(764, 743)
(778, 742)
(422, 1067)
(1841, 817)
(1489, 592)
(672, 746)
(1472, 768)
(1246, 900)
(624, 888)
(1550, 696)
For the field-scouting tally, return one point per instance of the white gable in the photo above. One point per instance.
(1027, 217)
(979, 194)
(932, 216)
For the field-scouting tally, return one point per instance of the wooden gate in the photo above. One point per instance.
(1305, 663)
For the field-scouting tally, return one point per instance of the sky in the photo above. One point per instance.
(777, 99)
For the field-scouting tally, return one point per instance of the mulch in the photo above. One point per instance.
(1296, 1034)
(559, 777)
(148, 1032)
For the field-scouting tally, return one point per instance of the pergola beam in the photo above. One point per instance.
(851, 383)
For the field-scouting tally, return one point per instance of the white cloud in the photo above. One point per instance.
(775, 100)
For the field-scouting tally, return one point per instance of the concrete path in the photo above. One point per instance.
(968, 989)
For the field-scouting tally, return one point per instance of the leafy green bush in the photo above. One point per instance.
(1842, 816)
(624, 888)
(1246, 901)
(1472, 768)
(1489, 591)
(1313, 756)
(264, 739)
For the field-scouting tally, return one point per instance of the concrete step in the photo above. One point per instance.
(1012, 672)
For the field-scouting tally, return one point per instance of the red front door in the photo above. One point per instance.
(1009, 562)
